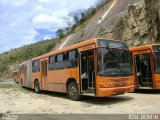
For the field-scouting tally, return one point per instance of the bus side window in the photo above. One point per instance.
(72, 59)
(51, 64)
(36, 66)
(60, 61)
(22, 69)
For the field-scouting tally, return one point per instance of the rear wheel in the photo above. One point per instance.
(73, 92)
(37, 87)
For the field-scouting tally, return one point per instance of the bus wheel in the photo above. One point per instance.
(36, 87)
(73, 92)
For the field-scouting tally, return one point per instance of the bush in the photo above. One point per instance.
(2, 66)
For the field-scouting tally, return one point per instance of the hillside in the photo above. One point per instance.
(136, 22)
(10, 60)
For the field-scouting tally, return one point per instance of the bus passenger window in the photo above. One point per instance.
(36, 66)
(51, 63)
(72, 59)
(60, 61)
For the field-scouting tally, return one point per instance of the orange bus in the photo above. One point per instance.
(96, 67)
(146, 60)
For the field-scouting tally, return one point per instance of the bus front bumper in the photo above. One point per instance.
(102, 92)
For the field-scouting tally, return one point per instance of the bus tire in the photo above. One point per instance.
(73, 92)
(37, 87)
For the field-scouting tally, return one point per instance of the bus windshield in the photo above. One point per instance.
(157, 62)
(114, 62)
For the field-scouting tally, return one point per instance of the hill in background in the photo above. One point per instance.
(9, 60)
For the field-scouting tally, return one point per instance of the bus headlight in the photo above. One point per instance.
(158, 81)
(103, 85)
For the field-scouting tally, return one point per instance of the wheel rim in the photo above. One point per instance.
(73, 91)
(36, 86)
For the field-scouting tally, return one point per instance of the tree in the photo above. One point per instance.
(76, 19)
(60, 33)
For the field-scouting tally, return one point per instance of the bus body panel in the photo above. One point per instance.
(156, 84)
(60, 79)
(107, 86)
(36, 76)
(50, 83)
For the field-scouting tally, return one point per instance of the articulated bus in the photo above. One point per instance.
(96, 67)
(146, 60)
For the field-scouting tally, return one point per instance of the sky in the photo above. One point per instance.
(24, 22)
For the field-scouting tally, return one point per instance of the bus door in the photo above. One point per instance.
(143, 70)
(44, 74)
(87, 72)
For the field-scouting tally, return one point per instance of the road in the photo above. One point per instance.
(17, 100)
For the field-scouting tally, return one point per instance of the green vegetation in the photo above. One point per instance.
(27, 52)
(16, 56)
(6, 86)
(101, 31)
(2, 65)
(24, 53)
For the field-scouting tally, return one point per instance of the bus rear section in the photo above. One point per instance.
(25, 74)
(146, 60)
(16, 76)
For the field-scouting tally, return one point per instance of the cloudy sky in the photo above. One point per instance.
(27, 21)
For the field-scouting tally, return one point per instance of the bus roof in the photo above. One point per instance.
(143, 47)
(77, 45)
(74, 46)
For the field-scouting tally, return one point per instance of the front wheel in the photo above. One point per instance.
(37, 87)
(73, 92)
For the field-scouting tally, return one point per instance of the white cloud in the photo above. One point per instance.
(20, 19)
(45, 1)
(42, 20)
(15, 3)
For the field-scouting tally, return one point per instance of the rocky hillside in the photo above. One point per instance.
(135, 21)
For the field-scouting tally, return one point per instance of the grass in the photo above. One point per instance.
(7, 86)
